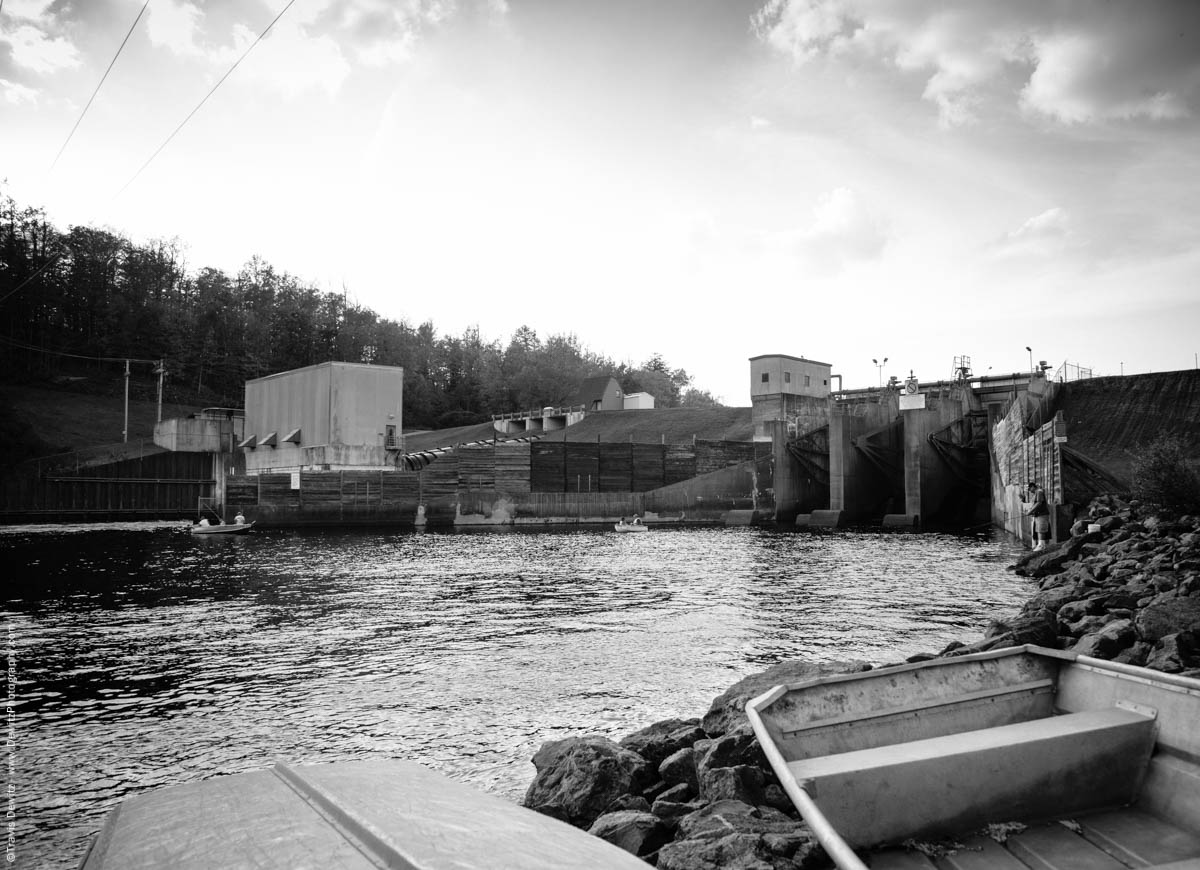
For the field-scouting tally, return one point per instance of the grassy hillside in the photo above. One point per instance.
(658, 426)
(41, 420)
(661, 425)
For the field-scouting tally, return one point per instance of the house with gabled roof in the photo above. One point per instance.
(599, 393)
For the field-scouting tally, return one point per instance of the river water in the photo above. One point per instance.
(147, 657)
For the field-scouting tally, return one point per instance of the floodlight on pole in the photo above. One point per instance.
(1030, 349)
(879, 365)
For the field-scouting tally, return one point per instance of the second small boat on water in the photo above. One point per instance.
(222, 529)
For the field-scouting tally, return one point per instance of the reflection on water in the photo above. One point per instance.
(150, 657)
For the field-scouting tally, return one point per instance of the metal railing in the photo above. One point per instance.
(539, 412)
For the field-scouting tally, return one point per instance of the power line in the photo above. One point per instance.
(206, 96)
(23, 346)
(102, 78)
(46, 265)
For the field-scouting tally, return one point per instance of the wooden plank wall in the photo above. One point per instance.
(626, 467)
(714, 455)
(648, 466)
(156, 486)
(616, 468)
(476, 467)
(551, 479)
(679, 464)
(547, 467)
(351, 496)
(513, 465)
(582, 467)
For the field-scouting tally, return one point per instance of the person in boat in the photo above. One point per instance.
(204, 521)
(239, 519)
(637, 521)
(1039, 511)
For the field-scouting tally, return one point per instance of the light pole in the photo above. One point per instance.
(879, 365)
(1030, 349)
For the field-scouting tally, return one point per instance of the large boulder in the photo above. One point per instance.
(578, 778)
(1036, 626)
(1056, 597)
(680, 768)
(1168, 616)
(737, 747)
(1044, 562)
(743, 783)
(1175, 653)
(731, 835)
(638, 833)
(655, 742)
(728, 710)
(1108, 641)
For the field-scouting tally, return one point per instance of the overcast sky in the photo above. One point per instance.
(707, 179)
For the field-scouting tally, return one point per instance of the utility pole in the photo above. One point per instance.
(161, 371)
(125, 434)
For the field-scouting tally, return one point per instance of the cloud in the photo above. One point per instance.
(14, 94)
(1042, 235)
(175, 26)
(32, 10)
(1149, 70)
(38, 51)
(381, 33)
(1075, 61)
(843, 231)
(290, 60)
(314, 46)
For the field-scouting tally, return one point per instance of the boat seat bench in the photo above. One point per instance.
(1033, 769)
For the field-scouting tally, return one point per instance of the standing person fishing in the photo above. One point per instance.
(1040, 512)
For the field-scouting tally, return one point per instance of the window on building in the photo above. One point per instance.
(824, 383)
(766, 377)
(391, 442)
(807, 381)
(787, 377)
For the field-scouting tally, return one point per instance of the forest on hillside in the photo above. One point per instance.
(92, 297)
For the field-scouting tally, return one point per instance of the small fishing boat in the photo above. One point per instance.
(222, 529)
(623, 526)
(355, 815)
(1026, 757)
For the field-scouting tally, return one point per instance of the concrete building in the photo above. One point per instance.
(330, 416)
(638, 402)
(213, 430)
(789, 388)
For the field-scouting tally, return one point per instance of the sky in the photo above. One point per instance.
(710, 180)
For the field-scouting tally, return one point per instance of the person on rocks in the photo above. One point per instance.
(1040, 512)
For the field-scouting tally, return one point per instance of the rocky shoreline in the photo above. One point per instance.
(698, 794)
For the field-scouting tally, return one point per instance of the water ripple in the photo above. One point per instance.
(147, 657)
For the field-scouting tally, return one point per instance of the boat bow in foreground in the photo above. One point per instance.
(345, 816)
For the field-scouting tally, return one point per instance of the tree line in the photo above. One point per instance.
(82, 294)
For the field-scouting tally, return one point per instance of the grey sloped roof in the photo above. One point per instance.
(591, 389)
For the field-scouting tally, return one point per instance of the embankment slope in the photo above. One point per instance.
(1110, 419)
